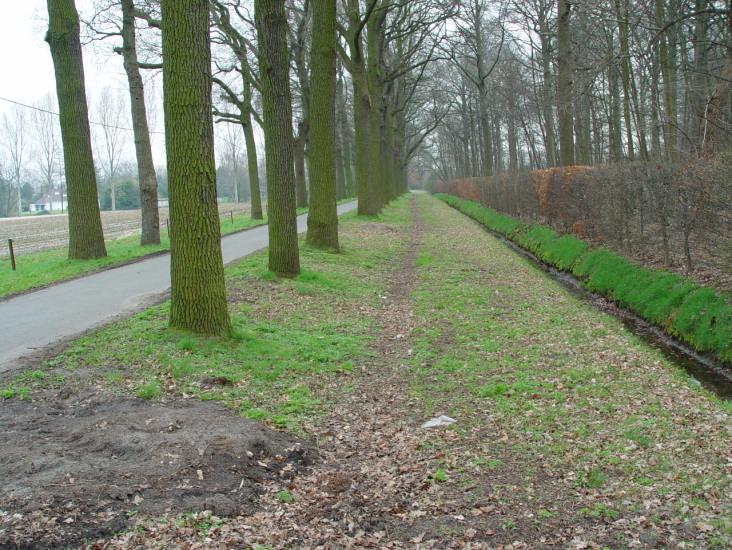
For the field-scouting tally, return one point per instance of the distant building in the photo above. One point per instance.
(50, 202)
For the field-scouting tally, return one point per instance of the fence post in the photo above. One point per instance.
(231, 215)
(12, 253)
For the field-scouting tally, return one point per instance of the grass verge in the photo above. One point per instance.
(570, 431)
(695, 314)
(566, 423)
(290, 336)
(52, 266)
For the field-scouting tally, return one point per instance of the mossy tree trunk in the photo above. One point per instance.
(322, 214)
(345, 141)
(86, 238)
(564, 84)
(374, 37)
(302, 140)
(255, 193)
(300, 144)
(252, 167)
(143, 149)
(364, 183)
(198, 294)
(271, 22)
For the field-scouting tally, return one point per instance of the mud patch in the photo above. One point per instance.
(82, 465)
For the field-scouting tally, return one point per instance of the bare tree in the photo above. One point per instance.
(110, 113)
(232, 141)
(47, 140)
(16, 146)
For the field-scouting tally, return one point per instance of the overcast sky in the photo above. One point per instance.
(27, 70)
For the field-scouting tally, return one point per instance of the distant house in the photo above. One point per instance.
(50, 202)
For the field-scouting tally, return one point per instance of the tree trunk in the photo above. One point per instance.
(252, 167)
(361, 113)
(715, 135)
(374, 38)
(340, 172)
(301, 190)
(86, 238)
(346, 144)
(667, 59)
(700, 80)
(564, 85)
(485, 127)
(615, 131)
(271, 22)
(198, 292)
(550, 141)
(361, 122)
(322, 214)
(302, 139)
(143, 149)
(622, 13)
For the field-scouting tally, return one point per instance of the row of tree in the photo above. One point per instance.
(543, 83)
(354, 73)
(32, 161)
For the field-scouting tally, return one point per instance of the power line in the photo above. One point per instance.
(57, 114)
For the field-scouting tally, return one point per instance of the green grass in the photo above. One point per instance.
(289, 335)
(541, 383)
(149, 390)
(560, 411)
(51, 266)
(440, 475)
(697, 315)
(285, 496)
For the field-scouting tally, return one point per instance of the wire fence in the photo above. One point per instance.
(38, 233)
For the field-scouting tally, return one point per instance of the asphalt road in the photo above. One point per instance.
(34, 321)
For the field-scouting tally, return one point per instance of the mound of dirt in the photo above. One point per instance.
(76, 467)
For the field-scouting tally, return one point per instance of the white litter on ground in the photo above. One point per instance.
(439, 421)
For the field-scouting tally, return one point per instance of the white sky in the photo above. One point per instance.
(27, 69)
(25, 61)
(27, 74)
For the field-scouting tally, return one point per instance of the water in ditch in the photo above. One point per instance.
(702, 368)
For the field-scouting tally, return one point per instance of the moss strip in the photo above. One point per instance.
(695, 314)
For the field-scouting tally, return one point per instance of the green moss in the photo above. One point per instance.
(536, 239)
(695, 314)
(705, 320)
(564, 251)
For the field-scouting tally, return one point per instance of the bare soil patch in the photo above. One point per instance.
(82, 464)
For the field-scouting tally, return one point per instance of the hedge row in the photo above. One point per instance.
(693, 313)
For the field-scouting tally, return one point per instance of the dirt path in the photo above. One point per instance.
(369, 466)
(570, 433)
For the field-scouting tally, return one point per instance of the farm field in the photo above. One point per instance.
(44, 232)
